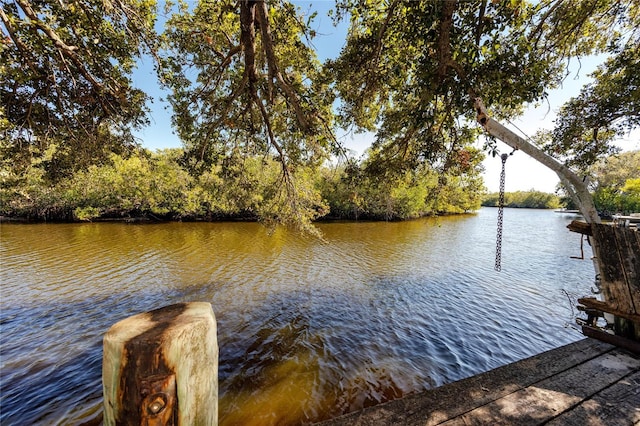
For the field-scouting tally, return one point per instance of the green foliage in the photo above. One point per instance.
(355, 192)
(27, 192)
(631, 196)
(524, 199)
(135, 185)
(615, 170)
(615, 182)
(604, 110)
(299, 211)
(159, 186)
(66, 81)
(461, 194)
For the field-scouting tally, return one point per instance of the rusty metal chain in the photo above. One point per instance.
(498, 266)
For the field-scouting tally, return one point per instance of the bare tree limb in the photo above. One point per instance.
(578, 186)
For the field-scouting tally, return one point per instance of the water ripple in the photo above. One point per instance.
(307, 329)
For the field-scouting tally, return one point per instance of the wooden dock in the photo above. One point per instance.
(584, 383)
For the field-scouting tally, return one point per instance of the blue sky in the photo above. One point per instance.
(522, 172)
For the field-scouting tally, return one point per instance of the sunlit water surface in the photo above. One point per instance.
(308, 329)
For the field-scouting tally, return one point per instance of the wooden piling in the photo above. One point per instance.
(161, 368)
(618, 253)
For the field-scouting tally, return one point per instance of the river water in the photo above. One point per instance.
(307, 328)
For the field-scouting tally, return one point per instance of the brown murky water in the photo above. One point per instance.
(307, 329)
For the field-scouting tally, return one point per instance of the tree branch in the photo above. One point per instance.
(444, 39)
(31, 14)
(68, 51)
(371, 77)
(537, 33)
(578, 186)
(248, 40)
(383, 30)
(481, 12)
(272, 137)
(23, 48)
(274, 71)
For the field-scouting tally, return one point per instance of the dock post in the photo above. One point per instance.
(161, 368)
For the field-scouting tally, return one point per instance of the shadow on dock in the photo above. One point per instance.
(587, 382)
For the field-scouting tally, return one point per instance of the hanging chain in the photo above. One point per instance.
(498, 266)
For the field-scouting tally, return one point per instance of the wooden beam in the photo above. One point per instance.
(580, 227)
(628, 244)
(613, 256)
(591, 302)
(619, 341)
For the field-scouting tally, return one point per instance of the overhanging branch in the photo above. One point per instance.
(578, 189)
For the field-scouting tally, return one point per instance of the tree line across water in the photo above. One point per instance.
(162, 186)
(165, 185)
(524, 199)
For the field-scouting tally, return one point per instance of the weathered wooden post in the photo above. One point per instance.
(618, 249)
(161, 368)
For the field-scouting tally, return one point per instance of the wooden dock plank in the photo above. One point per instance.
(438, 405)
(616, 405)
(545, 400)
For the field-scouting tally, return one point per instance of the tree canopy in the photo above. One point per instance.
(245, 84)
(420, 65)
(605, 109)
(66, 79)
(242, 77)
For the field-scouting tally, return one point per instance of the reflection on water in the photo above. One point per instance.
(307, 329)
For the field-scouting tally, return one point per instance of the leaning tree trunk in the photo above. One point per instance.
(576, 187)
